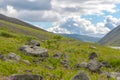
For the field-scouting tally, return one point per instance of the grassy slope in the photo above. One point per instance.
(76, 51)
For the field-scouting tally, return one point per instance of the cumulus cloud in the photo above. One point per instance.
(81, 26)
(59, 8)
(111, 22)
(28, 4)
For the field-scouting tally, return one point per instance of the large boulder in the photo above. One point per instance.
(25, 77)
(94, 66)
(80, 76)
(34, 50)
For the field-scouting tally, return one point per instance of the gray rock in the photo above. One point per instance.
(94, 65)
(80, 65)
(27, 62)
(64, 62)
(34, 51)
(92, 55)
(80, 76)
(33, 43)
(115, 75)
(57, 55)
(1, 56)
(83, 65)
(25, 77)
(13, 56)
(106, 64)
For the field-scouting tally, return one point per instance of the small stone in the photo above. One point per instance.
(27, 62)
(13, 56)
(33, 43)
(80, 76)
(92, 55)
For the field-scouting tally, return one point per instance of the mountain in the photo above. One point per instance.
(83, 38)
(20, 27)
(17, 21)
(112, 38)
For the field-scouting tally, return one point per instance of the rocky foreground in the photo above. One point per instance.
(33, 48)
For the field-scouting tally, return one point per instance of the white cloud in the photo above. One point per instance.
(111, 22)
(60, 8)
(10, 11)
(77, 25)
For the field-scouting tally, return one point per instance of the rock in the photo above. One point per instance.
(115, 75)
(33, 43)
(27, 62)
(34, 51)
(57, 55)
(92, 55)
(25, 77)
(106, 64)
(93, 47)
(13, 56)
(64, 62)
(94, 65)
(80, 65)
(80, 76)
(1, 56)
(83, 65)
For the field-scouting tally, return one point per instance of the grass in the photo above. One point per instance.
(76, 51)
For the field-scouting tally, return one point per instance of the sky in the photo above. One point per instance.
(84, 17)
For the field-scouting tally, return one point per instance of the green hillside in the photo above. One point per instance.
(12, 36)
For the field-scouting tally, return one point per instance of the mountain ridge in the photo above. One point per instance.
(83, 38)
(112, 38)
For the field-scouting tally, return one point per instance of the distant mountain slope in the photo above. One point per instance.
(16, 21)
(83, 38)
(112, 38)
(19, 27)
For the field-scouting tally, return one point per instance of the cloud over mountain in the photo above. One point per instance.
(77, 25)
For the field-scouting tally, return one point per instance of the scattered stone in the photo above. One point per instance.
(80, 76)
(34, 51)
(92, 47)
(83, 65)
(33, 43)
(1, 56)
(77, 66)
(36, 61)
(115, 75)
(49, 67)
(25, 77)
(94, 66)
(27, 62)
(92, 55)
(64, 62)
(13, 56)
(57, 55)
(80, 65)
(106, 64)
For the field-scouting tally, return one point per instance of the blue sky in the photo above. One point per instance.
(87, 17)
